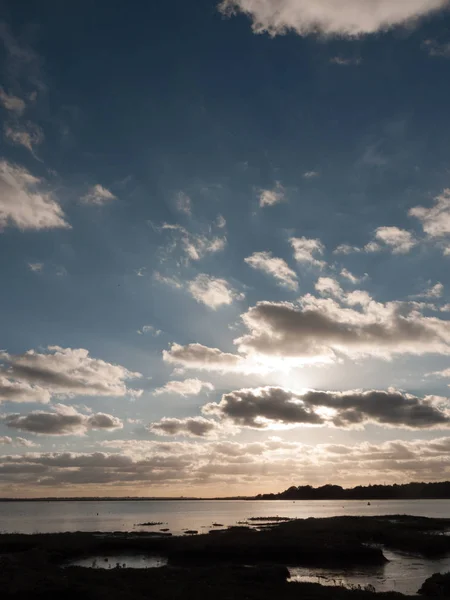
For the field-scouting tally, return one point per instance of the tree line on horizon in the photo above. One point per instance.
(405, 491)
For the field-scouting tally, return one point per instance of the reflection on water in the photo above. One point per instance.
(120, 561)
(50, 517)
(403, 573)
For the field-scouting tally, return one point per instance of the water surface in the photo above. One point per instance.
(178, 515)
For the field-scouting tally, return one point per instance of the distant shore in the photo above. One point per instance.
(406, 491)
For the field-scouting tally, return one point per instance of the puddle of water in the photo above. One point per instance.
(124, 561)
(403, 573)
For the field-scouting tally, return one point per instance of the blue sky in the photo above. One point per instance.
(209, 213)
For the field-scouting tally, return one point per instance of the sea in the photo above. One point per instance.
(180, 515)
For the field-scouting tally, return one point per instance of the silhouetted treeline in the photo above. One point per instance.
(407, 491)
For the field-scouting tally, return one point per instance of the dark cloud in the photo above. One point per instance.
(64, 421)
(194, 427)
(262, 407)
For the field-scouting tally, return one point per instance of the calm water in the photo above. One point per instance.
(50, 517)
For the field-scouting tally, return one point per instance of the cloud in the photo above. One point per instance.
(192, 427)
(262, 408)
(328, 286)
(343, 61)
(172, 281)
(352, 278)
(184, 203)
(320, 330)
(98, 195)
(209, 467)
(27, 135)
(195, 246)
(276, 267)
(435, 291)
(36, 377)
(17, 441)
(212, 292)
(435, 49)
(150, 329)
(197, 356)
(346, 249)
(12, 103)
(36, 267)
(311, 174)
(399, 240)
(65, 420)
(347, 18)
(435, 220)
(306, 250)
(221, 222)
(23, 204)
(188, 387)
(273, 196)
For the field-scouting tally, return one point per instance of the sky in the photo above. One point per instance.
(224, 246)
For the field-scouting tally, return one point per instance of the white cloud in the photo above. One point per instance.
(172, 281)
(184, 203)
(195, 246)
(311, 174)
(36, 267)
(346, 249)
(221, 221)
(211, 291)
(23, 204)
(17, 441)
(98, 195)
(306, 250)
(435, 220)
(191, 427)
(188, 387)
(328, 286)
(435, 291)
(197, 356)
(276, 267)
(149, 329)
(330, 17)
(352, 278)
(28, 135)
(372, 247)
(273, 196)
(64, 420)
(36, 377)
(399, 240)
(12, 103)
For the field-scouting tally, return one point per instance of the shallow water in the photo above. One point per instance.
(403, 573)
(123, 561)
(178, 515)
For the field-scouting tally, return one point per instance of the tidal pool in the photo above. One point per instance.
(403, 573)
